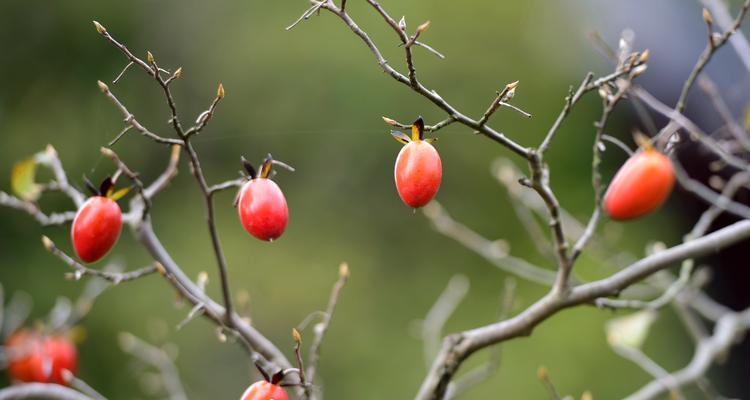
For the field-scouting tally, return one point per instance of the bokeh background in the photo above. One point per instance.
(313, 97)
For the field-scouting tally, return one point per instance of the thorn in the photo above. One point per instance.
(99, 28)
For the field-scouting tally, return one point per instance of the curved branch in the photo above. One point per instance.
(458, 347)
(49, 391)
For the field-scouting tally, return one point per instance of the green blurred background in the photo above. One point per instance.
(313, 97)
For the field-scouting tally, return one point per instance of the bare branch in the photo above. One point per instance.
(80, 270)
(49, 391)
(130, 119)
(159, 359)
(437, 316)
(714, 44)
(322, 327)
(50, 159)
(728, 328)
(33, 210)
(494, 252)
(458, 347)
(163, 180)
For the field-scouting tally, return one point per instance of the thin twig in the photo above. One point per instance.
(322, 327)
(157, 358)
(80, 270)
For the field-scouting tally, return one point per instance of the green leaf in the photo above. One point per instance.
(22, 180)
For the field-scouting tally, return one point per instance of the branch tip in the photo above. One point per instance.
(103, 86)
(707, 18)
(100, 28)
(48, 243)
(390, 122)
(344, 270)
(644, 56)
(423, 28)
(107, 152)
(542, 373)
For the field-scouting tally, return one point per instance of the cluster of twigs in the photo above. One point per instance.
(643, 284)
(569, 237)
(263, 352)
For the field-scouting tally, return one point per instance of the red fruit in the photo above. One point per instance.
(418, 170)
(261, 205)
(33, 357)
(96, 228)
(641, 185)
(264, 390)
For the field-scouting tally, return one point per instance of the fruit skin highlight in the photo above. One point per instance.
(96, 228)
(33, 357)
(261, 204)
(264, 390)
(418, 171)
(641, 185)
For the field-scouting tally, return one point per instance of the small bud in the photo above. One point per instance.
(603, 92)
(644, 57)
(202, 279)
(126, 340)
(344, 270)
(66, 375)
(296, 336)
(103, 86)
(707, 18)
(542, 373)
(220, 92)
(422, 28)
(149, 57)
(99, 28)
(50, 150)
(107, 152)
(175, 156)
(402, 23)
(47, 242)
(178, 73)
(510, 91)
(221, 335)
(715, 38)
(637, 71)
(160, 268)
(587, 396)
(390, 122)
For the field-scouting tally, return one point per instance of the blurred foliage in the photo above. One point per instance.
(313, 97)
